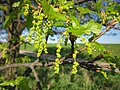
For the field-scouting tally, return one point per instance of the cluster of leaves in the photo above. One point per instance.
(20, 82)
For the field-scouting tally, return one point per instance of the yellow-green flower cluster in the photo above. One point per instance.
(74, 67)
(75, 63)
(57, 61)
(74, 54)
(39, 30)
(89, 49)
(56, 67)
(104, 74)
(26, 8)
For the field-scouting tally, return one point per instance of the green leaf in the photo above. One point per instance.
(59, 24)
(23, 85)
(61, 2)
(7, 22)
(75, 28)
(96, 46)
(12, 15)
(29, 20)
(52, 14)
(75, 22)
(83, 10)
(18, 80)
(28, 2)
(16, 4)
(110, 8)
(7, 83)
(45, 6)
(56, 16)
(23, 2)
(98, 5)
(60, 16)
(91, 26)
(77, 32)
(1, 79)
(4, 7)
(118, 7)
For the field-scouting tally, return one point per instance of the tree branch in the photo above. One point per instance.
(36, 78)
(81, 1)
(19, 65)
(83, 63)
(110, 25)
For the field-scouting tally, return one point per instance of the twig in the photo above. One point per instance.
(82, 63)
(31, 66)
(80, 1)
(8, 50)
(19, 65)
(36, 78)
(37, 63)
(110, 25)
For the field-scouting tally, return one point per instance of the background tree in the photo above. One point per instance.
(15, 24)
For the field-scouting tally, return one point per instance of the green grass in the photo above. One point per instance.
(84, 79)
(29, 47)
(115, 48)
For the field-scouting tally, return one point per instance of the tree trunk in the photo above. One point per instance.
(14, 39)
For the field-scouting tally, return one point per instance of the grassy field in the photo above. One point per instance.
(115, 48)
(84, 79)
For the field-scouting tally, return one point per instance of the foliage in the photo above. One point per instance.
(20, 82)
(40, 18)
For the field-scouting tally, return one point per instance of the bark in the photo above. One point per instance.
(82, 1)
(13, 39)
(14, 32)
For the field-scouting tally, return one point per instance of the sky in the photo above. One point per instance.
(109, 38)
